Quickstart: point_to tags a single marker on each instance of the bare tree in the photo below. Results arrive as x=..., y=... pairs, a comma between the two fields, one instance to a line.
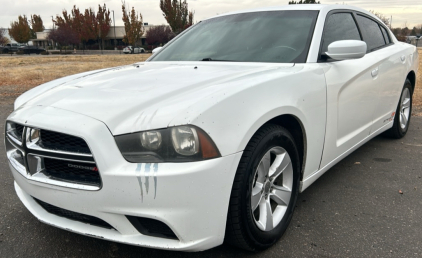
x=382, y=17
x=3, y=39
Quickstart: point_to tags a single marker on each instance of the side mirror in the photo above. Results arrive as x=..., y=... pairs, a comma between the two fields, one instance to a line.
x=347, y=49
x=156, y=50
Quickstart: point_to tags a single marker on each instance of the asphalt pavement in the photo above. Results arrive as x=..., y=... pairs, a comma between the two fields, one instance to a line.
x=368, y=205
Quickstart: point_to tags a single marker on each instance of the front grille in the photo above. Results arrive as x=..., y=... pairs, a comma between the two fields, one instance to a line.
x=73, y=215
x=75, y=172
x=59, y=156
x=62, y=142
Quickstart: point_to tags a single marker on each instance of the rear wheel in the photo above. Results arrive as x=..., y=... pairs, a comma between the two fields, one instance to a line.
x=264, y=191
x=403, y=113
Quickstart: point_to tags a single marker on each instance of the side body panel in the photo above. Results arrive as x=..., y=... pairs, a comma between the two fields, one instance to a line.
x=352, y=97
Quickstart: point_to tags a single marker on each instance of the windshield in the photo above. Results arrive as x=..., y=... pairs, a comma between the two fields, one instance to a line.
x=272, y=37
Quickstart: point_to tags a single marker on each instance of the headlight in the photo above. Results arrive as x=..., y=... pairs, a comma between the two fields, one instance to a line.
x=176, y=144
x=185, y=140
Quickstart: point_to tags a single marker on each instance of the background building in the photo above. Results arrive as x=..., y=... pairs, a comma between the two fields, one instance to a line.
x=115, y=34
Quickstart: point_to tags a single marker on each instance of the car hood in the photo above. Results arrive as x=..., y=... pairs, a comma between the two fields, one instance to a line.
x=146, y=95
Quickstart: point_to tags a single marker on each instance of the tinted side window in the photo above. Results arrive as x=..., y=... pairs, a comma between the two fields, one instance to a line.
x=372, y=34
x=386, y=37
x=339, y=26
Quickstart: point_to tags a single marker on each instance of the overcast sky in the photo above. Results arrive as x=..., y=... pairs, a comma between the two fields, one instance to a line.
x=403, y=11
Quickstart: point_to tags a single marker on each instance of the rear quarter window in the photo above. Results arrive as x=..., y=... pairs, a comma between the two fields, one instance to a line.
x=371, y=33
x=386, y=36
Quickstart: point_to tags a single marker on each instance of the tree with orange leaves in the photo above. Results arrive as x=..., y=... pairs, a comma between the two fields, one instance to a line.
x=177, y=14
x=37, y=23
x=134, y=26
x=20, y=30
x=104, y=23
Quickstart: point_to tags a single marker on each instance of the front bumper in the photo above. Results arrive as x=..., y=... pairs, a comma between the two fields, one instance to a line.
x=191, y=198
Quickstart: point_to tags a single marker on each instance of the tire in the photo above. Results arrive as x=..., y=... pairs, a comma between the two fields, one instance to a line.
x=6, y=51
x=245, y=228
x=404, y=110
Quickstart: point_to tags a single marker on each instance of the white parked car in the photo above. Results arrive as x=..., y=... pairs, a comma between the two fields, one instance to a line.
x=213, y=137
x=133, y=50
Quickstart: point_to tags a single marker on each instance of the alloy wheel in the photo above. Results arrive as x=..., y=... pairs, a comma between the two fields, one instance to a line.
x=404, y=108
x=272, y=188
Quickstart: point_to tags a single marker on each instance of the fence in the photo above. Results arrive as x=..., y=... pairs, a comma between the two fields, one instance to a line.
x=99, y=52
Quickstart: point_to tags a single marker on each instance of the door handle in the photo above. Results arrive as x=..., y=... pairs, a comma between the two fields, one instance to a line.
x=374, y=72
x=403, y=58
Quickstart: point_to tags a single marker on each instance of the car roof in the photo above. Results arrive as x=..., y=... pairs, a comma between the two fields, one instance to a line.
x=303, y=7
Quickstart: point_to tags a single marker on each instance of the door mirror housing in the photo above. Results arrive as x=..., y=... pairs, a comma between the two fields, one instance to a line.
x=347, y=49
x=156, y=50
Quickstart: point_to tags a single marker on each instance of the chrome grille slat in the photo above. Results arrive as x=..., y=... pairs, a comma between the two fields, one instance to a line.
x=71, y=165
x=15, y=132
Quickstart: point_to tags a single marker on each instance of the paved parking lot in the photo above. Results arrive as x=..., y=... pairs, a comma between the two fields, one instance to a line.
x=354, y=210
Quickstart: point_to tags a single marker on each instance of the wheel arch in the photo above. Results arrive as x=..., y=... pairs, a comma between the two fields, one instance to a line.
x=295, y=126
x=412, y=78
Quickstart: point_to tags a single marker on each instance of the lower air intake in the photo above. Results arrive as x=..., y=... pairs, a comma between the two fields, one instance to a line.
x=152, y=227
x=73, y=215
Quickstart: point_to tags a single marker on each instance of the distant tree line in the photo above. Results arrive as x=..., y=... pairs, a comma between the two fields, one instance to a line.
x=304, y=2
x=400, y=32
x=85, y=26
x=81, y=27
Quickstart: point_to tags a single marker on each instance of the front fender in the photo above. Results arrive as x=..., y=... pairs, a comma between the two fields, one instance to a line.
x=232, y=115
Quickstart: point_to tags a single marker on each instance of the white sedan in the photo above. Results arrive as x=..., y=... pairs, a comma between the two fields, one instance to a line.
x=133, y=50
x=213, y=138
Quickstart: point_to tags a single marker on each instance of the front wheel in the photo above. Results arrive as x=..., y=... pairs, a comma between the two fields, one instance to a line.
x=264, y=191
x=403, y=113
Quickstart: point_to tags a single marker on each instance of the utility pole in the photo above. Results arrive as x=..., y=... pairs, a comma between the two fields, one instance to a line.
x=391, y=22
x=52, y=42
x=114, y=27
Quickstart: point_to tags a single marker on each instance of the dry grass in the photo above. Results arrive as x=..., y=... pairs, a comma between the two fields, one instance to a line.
x=27, y=72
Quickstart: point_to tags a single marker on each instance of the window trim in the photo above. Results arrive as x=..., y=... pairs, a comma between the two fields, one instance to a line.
x=354, y=15
x=320, y=54
x=380, y=26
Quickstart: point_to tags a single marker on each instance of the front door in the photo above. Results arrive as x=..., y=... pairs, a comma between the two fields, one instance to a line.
x=352, y=92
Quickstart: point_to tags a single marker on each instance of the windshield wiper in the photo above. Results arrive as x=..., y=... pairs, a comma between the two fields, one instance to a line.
x=210, y=59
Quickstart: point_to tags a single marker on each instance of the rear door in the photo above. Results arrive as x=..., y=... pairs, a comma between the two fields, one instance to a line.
x=391, y=67
x=352, y=89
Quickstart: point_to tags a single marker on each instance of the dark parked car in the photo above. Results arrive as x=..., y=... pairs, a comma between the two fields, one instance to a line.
x=31, y=50
x=13, y=47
